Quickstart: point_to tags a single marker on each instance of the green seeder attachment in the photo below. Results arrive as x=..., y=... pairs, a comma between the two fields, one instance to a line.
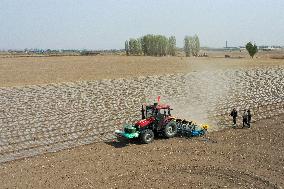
x=129, y=132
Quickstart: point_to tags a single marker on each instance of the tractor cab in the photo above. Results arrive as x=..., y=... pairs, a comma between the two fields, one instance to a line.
x=156, y=114
x=156, y=110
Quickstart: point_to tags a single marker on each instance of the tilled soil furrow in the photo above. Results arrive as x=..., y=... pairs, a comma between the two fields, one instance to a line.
x=38, y=114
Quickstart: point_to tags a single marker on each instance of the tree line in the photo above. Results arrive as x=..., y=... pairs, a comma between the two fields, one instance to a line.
x=159, y=45
x=191, y=45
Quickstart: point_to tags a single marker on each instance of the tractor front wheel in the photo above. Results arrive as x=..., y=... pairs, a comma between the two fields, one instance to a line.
x=147, y=136
x=170, y=129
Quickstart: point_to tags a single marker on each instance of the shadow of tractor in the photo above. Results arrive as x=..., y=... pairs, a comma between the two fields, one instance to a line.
x=122, y=142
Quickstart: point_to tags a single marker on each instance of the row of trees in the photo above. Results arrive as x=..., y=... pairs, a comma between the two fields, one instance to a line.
x=191, y=45
x=159, y=45
x=151, y=45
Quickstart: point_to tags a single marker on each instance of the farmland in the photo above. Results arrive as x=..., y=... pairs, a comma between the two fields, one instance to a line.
x=50, y=104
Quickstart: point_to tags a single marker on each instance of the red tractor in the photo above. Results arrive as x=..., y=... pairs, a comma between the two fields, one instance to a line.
x=156, y=119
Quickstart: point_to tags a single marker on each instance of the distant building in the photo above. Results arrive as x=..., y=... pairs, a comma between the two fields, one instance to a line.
x=269, y=48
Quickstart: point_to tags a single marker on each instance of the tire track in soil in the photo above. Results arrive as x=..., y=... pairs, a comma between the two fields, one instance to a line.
x=233, y=177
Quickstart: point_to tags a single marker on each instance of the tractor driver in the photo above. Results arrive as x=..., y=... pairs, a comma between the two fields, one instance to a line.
x=169, y=111
x=160, y=119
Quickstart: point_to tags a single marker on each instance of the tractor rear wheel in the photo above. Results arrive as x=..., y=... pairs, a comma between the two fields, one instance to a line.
x=147, y=136
x=170, y=129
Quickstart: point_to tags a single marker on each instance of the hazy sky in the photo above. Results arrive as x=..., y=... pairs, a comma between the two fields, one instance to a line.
x=105, y=24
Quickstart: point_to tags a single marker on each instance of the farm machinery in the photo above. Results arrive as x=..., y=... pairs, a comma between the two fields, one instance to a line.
x=157, y=120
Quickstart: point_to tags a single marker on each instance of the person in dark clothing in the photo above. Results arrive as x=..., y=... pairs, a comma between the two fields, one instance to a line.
x=234, y=114
x=248, y=118
x=245, y=118
x=143, y=112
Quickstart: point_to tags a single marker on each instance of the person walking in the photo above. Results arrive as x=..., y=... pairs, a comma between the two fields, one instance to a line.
x=249, y=118
x=245, y=118
x=234, y=114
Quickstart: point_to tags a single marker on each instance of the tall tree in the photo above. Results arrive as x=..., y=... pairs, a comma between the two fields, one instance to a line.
x=135, y=47
x=252, y=49
x=195, y=47
x=187, y=47
x=191, y=45
x=127, y=48
x=138, y=47
x=131, y=46
x=172, y=46
x=162, y=45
